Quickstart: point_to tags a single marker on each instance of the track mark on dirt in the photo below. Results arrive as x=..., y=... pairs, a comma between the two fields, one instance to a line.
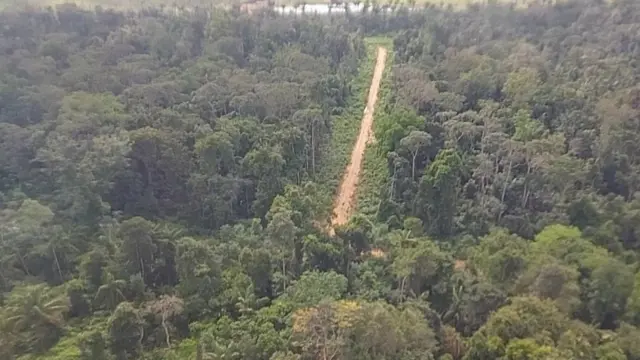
x=345, y=201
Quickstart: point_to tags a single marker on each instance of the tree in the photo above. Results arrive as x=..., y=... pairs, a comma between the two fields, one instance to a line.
x=110, y=293
x=282, y=233
x=351, y=330
x=529, y=349
x=626, y=340
x=126, y=331
x=501, y=257
x=606, y=307
x=60, y=249
x=247, y=338
x=93, y=347
x=36, y=312
x=414, y=142
x=552, y=281
x=216, y=153
x=167, y=306
x=264, y=165
x=518, y=330
x=25, y=234
x=314, y=124
x=199, y=276
x=93, y=267
x=382, y=331
x=420, y=267
x=171, y=169
x=633, y=302
x=438, y=193
x=314, y=287
x=84, y=152
x=155, y=184
x=562, y=242
x=323, y=330
x=138, y=247
x=394, y=127
x=521, y=86
x=472, y=300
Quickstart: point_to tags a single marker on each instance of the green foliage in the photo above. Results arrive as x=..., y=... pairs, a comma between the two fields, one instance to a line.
x=345, y=128
x=36, y=314
x=313, y=287
x=374, y=167
x=419, y=266
x=520, y=331
x=438, y=195
x=562, y=242
x=391, y=128
x=126, y=331
x=166, y=177
x=501, y=257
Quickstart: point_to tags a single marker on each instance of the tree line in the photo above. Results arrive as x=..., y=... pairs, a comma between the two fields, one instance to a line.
x=162, y=193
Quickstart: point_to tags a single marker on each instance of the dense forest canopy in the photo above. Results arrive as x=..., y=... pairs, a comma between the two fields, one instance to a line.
x=167, y=176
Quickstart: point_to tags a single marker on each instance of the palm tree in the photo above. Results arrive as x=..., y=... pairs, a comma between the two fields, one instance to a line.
x=36, y=305
x=111, y=293
x=209, y=348
x=38, y=312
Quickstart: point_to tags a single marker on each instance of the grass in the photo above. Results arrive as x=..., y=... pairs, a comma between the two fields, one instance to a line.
x=346, y=127
x=374, y=170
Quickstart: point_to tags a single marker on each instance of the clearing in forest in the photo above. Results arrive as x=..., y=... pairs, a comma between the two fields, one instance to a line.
x=345, y=200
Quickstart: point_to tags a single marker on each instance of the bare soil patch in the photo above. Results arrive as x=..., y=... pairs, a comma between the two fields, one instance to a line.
x=345, y=201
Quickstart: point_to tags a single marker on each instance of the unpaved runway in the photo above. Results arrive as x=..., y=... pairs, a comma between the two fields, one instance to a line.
x=345, y=200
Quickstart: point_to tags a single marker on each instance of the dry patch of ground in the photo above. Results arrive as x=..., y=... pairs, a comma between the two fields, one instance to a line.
x=345, y=200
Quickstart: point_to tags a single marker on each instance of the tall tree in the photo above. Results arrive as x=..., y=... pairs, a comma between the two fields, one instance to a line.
x=36, y=313
x=439, y=193
x=166, y=306
x=414, y=142
x=126, y=331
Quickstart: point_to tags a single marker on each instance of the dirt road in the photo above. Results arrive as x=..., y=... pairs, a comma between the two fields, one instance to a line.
x=345, y=201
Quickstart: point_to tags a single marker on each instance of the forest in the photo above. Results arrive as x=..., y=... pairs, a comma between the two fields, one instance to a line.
x=168, y=178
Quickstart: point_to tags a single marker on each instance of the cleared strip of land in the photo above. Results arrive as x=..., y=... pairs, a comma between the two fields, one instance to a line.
x=345, y=200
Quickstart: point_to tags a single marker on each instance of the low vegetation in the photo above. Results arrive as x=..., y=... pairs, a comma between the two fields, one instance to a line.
x=345, y=128
x=374, y=172
x=163, y=175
